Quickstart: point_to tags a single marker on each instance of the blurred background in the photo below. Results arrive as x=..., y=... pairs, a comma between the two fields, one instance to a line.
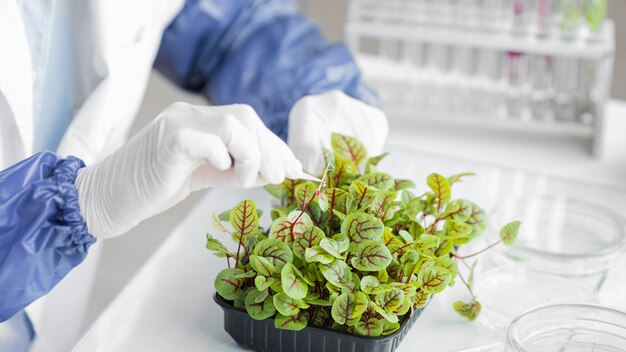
x=538, y=97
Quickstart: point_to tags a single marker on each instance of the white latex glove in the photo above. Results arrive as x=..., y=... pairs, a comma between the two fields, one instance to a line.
x=313, y=118
x=186, y=148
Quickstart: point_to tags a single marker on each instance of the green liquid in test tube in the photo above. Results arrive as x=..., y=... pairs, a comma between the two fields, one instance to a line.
x=595, y=13
x=570, y=17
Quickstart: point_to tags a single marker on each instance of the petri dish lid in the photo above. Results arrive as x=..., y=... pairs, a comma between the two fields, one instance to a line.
x=505, y=292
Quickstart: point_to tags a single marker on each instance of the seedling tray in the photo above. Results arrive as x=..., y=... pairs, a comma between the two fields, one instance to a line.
x=261, y=335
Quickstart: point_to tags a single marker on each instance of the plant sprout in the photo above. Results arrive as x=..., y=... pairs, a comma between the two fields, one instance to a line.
x=357, y=253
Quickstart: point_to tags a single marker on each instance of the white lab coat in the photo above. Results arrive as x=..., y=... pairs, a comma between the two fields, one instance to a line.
x=115, y=43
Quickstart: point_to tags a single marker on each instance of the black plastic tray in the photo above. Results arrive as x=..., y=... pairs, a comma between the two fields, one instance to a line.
x=261, y=335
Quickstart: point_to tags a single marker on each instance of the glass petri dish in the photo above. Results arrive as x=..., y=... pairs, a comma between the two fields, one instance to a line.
x=562, y=236
x=505, y=292
x=568, y=327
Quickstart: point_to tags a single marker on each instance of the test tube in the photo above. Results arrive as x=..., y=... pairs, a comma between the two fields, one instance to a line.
x=542, y=96
x=566, y=85
x=586, y=92
x=520, y=22
x=595, y=13
x=459, y=77
x=517, y=88
x=569, y=19
x=438, y=65
x=488, y=93
x=545, y=9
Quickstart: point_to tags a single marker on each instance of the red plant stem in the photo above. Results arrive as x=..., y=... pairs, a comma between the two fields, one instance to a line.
x=467, y=285
x=238, y=250
x=480, y=251
x=228, y=260
x=308, y=204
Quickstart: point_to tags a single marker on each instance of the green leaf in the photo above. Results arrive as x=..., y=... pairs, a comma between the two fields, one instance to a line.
x=261, y=265
x=244, y=218
x=371, y=255
x=278, y=212
x=363, y=194
x=427, y=241
x=390, y=317
x=259, y=310
x=322, y=201
x=467, y=310
x=286, y=305
x=369, y=327
x=331, y=247
x=329, y=158
x=390, y=300
x=399, y=185
x=348, y=308
x=348, y=148
x=275, y=191
x=293, y=284
x=379, y=180
x=314, y=298
x=394, y=244
x=215, y=246
x=360, y=226
x=371, y=285
x=240, y=299
x=459, y=210
x=380, y=204
x=458, y=177
x=262, y=283
x=441, y=187
x=246, y=275
x=421, y=299
x=310, y=238
x=508, y=233
x=371, y=163
x=305, y=192
x=227, y=284
x=477, y=219
x=276, y=251
x=406, y=236
x=455, y=229
x=338, y=199
x=343, y=242
x=434, y=279
x=217, y=224
x=317, y=254
x=294, y=322
x=290, y=227
x=389, y=328
x=337, y=273
x=444, y=249
x=224, y=216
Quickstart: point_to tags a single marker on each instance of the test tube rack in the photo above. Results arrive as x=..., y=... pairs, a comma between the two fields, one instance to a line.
x=478, y=65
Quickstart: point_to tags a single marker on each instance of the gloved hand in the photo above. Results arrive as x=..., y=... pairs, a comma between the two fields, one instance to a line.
x=186, y=148
x=313, y=118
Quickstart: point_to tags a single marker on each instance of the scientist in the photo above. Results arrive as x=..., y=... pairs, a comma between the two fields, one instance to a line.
x=72, y=77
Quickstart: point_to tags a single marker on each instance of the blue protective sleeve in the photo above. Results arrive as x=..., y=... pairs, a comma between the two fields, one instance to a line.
x=42, y=234
x=259, y=52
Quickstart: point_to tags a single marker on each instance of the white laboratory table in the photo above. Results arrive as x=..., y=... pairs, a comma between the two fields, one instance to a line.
x=168, y=306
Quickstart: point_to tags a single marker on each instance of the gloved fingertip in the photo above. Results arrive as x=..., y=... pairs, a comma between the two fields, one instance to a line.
x=222, y=163
x=294, y=171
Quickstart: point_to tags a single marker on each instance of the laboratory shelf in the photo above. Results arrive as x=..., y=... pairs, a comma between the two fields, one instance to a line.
x=168, y=305
x=463, y=120
x=538, y=68
x=500, y=41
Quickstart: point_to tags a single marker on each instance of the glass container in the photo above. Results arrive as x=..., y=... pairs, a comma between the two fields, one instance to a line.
x=507, y=291
x=568, y=327
x=562, y=236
